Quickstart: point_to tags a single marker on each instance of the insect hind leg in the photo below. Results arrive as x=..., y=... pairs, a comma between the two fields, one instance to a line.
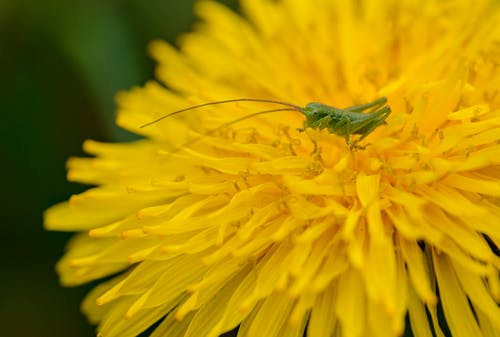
x=348, y=131
x=362, y=107
x=382, y=115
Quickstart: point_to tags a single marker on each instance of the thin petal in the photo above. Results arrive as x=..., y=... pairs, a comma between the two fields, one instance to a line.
x=457, y=310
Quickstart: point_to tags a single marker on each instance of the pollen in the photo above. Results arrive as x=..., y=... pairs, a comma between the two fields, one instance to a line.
x=226, y=218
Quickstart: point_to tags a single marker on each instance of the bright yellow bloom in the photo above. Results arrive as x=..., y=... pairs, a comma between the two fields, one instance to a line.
x=255, y=226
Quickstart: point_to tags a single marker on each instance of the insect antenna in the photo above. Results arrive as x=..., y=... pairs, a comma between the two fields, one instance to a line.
x=234, y=121
x=292, y=106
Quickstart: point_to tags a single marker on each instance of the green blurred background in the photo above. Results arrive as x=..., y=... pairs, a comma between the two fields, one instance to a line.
x=61, y=63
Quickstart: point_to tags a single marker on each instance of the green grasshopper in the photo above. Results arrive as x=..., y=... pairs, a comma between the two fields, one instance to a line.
x=355, y=120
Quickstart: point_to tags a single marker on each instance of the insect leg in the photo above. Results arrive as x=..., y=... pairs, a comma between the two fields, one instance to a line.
x=381, y=116
x=342, y=126
x=347, y=130
x=362, y=107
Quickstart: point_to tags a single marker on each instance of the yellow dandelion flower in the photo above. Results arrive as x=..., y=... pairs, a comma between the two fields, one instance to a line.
x=279, y=232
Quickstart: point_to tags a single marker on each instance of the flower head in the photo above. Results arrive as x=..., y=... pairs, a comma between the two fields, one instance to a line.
x=215, y=220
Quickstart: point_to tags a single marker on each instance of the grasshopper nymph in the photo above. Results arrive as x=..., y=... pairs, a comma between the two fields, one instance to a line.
x=355, y=120
x=348, y=121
